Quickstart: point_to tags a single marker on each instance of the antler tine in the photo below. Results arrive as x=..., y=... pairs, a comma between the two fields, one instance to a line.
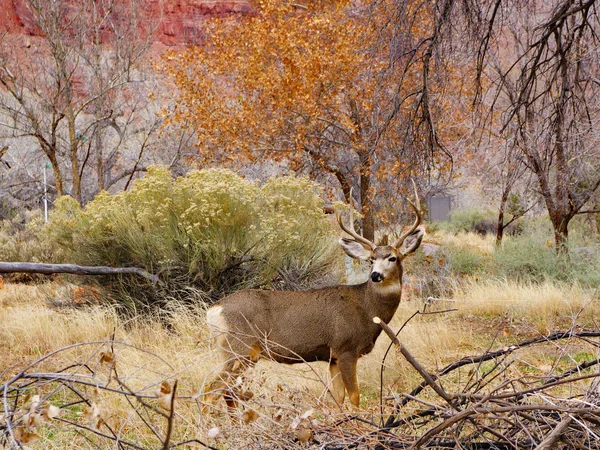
x=351, y=231
x=417, y=209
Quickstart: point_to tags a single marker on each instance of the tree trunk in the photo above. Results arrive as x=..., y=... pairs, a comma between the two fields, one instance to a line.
x=563, y=213
x=73, y=150
x=58, y=179
x=558, y=205
x=99, y=161
x=500, y=225
x=500, y=228
x=560, y=223
x=368, y=221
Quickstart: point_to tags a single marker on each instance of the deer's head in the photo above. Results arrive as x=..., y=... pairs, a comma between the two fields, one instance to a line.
x=386, y=260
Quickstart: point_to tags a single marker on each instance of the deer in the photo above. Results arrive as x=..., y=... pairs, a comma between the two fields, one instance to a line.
x=333, y=324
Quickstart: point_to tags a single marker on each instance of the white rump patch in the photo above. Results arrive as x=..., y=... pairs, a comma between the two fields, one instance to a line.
x=215, y=321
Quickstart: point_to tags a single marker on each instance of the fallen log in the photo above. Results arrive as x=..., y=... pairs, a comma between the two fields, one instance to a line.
x=49, y=269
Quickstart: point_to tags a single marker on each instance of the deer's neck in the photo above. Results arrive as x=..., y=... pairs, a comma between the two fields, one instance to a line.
x=382, y=299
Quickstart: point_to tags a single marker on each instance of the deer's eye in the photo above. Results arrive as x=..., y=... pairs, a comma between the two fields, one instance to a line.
x=392, y=259
x=371, y=260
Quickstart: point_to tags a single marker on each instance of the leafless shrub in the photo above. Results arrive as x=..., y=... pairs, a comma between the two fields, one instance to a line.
x=96, y=400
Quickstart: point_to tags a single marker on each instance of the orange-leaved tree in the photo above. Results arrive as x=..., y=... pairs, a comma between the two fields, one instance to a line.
x=313, y=86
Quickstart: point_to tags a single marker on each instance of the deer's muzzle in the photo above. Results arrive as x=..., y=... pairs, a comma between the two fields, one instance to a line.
x=376, y=277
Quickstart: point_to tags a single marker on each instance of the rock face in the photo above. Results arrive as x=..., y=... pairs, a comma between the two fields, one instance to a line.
x=177, y=22
x=182, y=19
x=9, y=17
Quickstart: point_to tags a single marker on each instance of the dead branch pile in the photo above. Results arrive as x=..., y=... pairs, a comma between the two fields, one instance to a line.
x=488, y=401
x=495, y=406
x=92, y=400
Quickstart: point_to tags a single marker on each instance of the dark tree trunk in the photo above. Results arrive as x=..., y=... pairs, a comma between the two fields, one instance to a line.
x=368, y=221
x=58, y=178
x=99, y=160
x=500, y=225
x=561, y=232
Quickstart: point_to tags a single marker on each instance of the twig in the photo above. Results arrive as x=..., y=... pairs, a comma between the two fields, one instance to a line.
x=550, y=440
x=382, y=368
x=77, y=425
x=192, y=441
x=171, y=417
x=411, y=359
x=387, y=351
x=577, y=369
x=442, y=426
x=140, y=399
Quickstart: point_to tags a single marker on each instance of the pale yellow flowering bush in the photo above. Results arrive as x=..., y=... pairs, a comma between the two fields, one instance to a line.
x=211, y=230
x=294, y=220
x=24, y=242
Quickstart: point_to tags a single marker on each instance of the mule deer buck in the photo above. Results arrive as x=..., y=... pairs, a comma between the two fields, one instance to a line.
x=333, y=324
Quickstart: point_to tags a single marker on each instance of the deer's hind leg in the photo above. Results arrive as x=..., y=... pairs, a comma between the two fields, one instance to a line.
x=225, y=382
x=221, y=382
x=237, y=351
x=338, y=390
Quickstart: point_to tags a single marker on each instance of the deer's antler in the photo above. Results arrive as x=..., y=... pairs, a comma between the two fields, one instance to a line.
x=417, y=209
x=350, y=231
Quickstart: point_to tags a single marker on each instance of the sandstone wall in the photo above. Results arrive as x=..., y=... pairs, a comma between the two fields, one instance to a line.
x=177, y=22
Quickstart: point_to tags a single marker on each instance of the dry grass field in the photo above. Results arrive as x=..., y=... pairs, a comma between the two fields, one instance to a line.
x=90, y=379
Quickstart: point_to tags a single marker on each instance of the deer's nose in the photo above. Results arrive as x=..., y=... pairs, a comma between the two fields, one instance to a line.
x=376, y=277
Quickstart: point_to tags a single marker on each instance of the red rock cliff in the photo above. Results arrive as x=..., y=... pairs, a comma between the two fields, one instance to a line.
x=177, y=21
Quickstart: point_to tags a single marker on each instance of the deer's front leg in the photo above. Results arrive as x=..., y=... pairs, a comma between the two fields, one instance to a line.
x=347, y=365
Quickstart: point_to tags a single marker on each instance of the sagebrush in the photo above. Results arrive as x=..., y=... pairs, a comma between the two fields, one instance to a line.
x=208, y=233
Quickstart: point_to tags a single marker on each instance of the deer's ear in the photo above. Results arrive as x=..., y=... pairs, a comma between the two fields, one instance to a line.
x=355, y=249
x=412, y=242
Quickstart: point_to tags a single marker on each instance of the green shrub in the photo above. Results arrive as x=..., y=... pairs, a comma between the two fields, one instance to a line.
x=465, y=260
x=210, y=232
x=528, y=259
x=469, y=220
x=583, y=231
x=430, y=276
x=531, y=258
x=298, y=227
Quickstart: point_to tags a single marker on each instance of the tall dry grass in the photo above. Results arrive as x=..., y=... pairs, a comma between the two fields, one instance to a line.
x=547, y=304
x=38, y=320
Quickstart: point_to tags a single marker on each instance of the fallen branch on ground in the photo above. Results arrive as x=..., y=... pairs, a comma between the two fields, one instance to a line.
x=49, y=269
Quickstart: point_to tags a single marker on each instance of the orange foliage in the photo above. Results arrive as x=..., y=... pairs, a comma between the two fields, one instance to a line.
x=263, y=82
x=314, y=82
x=87, y=294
